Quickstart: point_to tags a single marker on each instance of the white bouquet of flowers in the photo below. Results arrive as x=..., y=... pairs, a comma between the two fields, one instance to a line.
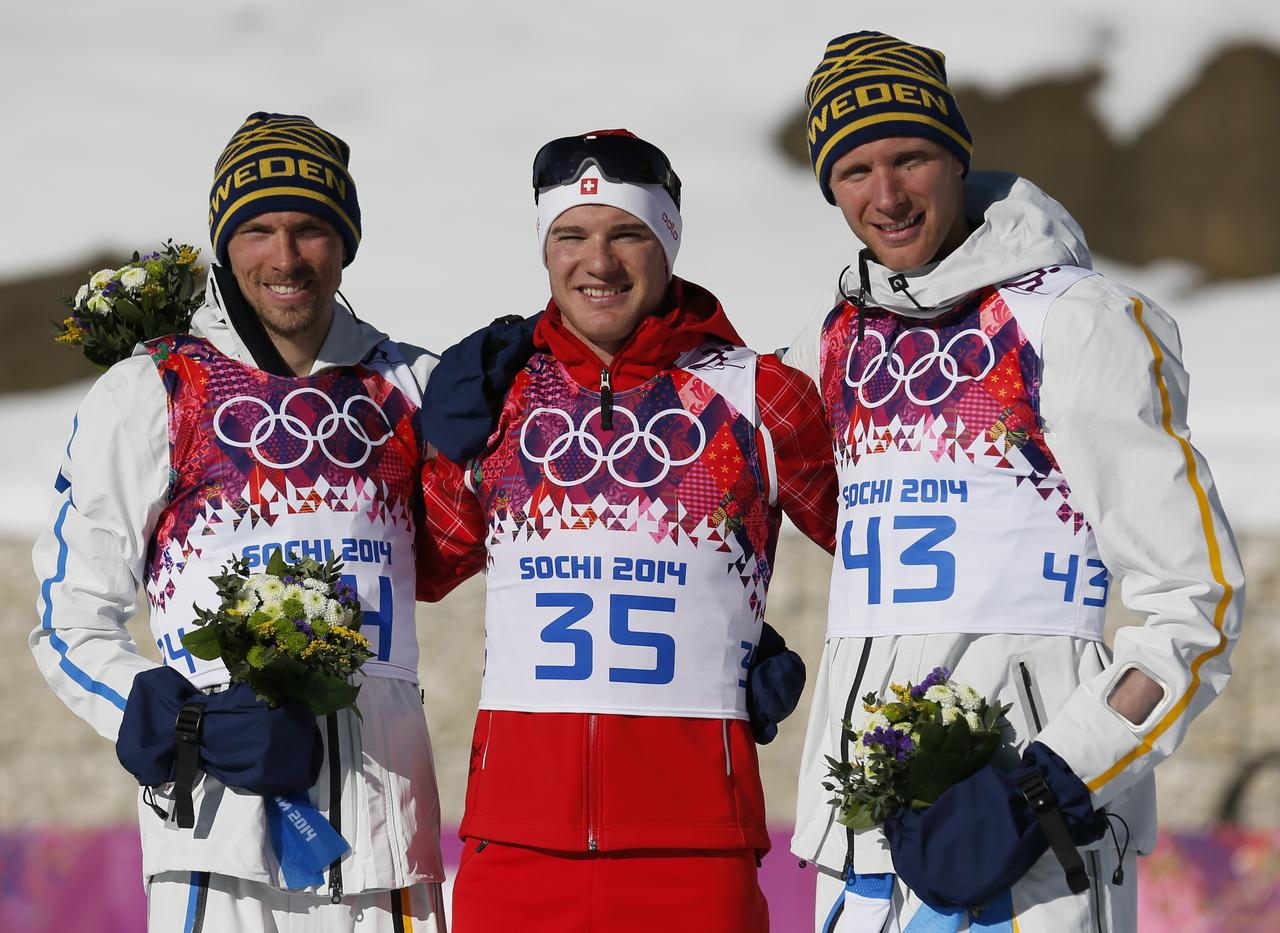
x=151, y=296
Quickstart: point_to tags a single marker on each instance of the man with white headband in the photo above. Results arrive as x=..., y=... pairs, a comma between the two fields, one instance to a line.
x=627, y=509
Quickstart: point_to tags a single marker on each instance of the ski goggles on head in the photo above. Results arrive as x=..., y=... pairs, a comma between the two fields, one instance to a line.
x=623, y=159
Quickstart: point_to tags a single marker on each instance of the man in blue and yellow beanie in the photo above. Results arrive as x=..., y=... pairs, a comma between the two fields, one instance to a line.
x=281, y=162
x=870, y=86
x=280, y=427
x=868, y=91
x=284, y=221
x=1002, y=418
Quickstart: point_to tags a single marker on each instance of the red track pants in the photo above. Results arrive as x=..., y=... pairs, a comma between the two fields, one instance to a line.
x=502, y=888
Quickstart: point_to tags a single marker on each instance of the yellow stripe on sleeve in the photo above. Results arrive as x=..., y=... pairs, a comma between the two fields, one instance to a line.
x=1215, y=563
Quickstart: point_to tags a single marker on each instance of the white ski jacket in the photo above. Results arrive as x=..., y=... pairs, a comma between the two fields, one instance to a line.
x=90, y=561
x=1112, y=407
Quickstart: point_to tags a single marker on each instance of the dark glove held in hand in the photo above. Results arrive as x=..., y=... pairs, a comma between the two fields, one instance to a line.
x=463, y=398
x=981, y=835
x=775, y=680
x=245, y=744
x=266, y=751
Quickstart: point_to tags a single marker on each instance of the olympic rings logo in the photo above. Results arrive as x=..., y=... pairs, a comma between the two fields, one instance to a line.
x=298, y=429
x=937, y=359
x=622, y=444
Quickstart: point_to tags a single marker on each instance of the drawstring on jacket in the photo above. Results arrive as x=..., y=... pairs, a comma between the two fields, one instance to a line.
x=864, y=288
x=897, y=281
x=899, y=285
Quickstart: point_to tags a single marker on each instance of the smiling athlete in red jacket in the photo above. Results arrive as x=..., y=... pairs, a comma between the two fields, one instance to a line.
x=627, y=510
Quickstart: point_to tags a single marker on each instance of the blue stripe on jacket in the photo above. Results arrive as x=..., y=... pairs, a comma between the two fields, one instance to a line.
x=77, y=674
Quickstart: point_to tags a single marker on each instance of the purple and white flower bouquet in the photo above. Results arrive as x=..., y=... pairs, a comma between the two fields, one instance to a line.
x=912, y=747
x=152, y=295
x=291, y=633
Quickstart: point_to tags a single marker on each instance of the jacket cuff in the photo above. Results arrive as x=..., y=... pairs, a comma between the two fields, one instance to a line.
x=1097, y=743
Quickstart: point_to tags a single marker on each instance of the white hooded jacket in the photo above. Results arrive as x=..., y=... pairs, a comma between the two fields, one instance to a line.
x=1113, y=400
x=113, y=485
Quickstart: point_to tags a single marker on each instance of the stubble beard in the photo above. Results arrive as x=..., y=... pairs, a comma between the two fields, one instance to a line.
x=289, y=324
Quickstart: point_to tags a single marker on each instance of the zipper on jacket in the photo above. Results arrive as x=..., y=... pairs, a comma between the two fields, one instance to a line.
x=864, y=295
x=335, y=803
x=606, y=400
x=1031, y=699
x=1095, y=892
x=844, y=740
x=592, y=842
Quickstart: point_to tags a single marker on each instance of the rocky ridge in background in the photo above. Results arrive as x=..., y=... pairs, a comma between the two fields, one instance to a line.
x=1197, y=185
x=29, y=307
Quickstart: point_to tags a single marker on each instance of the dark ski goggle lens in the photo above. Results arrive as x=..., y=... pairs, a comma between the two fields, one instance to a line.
x=621, y=159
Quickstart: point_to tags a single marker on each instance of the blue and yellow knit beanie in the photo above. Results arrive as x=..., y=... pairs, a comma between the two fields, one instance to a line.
x=282, y=162
x=870, y=86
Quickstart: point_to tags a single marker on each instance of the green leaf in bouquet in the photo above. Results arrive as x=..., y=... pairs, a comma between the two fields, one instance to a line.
x=992, y=716
x=291, y=672
x=929, y=774
x=154, y=322
x=324, y=693
x=331, y=571
x=126, y=310
x=959, y=738
x=203, y=643
x=985, y=746
x=100, y=356
x=857, y=817
x=307, y=567
x=895, y=712
x=932, y=736
x=280, y=679
x=838, y=768
x=277, y=566
x=267, y=695
x=229, y=583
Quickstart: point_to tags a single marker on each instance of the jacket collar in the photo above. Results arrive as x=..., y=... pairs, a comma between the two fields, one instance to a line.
x=348, y=342
x=1017, y=228
x=690, y=315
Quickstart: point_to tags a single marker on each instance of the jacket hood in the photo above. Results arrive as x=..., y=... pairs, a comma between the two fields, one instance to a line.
x=690, y=315
x=348, y=342
x=1019, y=229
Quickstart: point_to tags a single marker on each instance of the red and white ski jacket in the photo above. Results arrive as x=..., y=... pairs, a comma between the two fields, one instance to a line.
x=628, y=565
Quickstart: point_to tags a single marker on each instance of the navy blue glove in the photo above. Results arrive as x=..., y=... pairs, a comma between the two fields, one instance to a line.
x=775, y=680
x=981, y=835
x=463, y=398
x=244, y=743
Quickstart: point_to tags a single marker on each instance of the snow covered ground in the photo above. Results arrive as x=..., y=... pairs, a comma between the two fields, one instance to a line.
x=115, y=113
